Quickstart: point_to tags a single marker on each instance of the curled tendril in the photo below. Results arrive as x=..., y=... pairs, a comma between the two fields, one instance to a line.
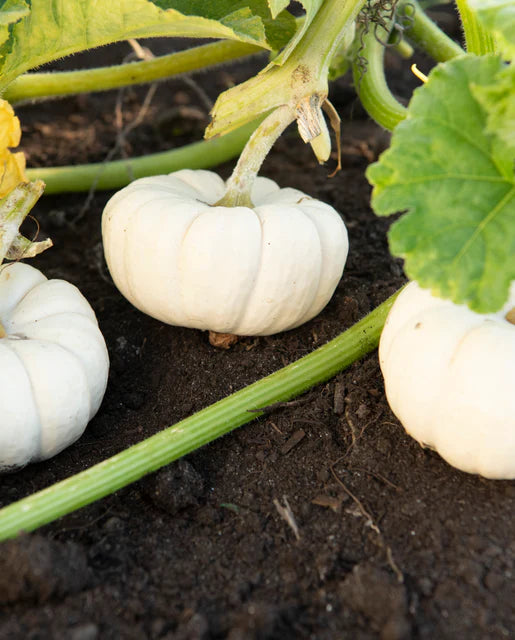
x=383, y=15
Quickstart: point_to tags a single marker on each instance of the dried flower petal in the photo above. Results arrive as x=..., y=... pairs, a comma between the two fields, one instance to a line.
x=12, y=165
x=12, y=171
x=10, y=131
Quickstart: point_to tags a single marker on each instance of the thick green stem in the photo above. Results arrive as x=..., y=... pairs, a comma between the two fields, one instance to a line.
x=404, y=49
x=193, y=432
x=325, y=34
x=33, y=86
x=292, y=91
x=477, y=39
x=239, y=186
x=370, y=83
x=426, y=34
x=118, y=173
x=14, y=208
x=368, y=69
x=304, y=73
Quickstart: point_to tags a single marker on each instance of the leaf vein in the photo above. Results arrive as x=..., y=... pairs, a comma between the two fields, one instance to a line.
x=457, y=176
x=481, y=226
x=462, y=134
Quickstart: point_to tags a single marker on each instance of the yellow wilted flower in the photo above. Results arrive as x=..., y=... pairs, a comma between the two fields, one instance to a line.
x=12, y=165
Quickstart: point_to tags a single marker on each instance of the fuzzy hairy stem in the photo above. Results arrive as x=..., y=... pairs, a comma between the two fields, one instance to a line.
x=239, y=185
x=34, y=86
x=477, y=39
x=426, y=34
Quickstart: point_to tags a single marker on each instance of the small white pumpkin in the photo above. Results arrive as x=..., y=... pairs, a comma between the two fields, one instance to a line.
x=450, y=379
x=53, y=365
x=239, y=270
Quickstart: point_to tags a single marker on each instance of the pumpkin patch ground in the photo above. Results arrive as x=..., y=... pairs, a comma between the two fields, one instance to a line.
x=320, y=520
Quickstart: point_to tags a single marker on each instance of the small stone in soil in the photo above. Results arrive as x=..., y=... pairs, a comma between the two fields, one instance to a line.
x=380, y=598
x=175, y=487
x=36, y=569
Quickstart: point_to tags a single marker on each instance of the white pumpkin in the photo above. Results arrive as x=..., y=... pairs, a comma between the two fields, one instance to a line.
x=239, y=270
x=53, y=365
x=450, y=379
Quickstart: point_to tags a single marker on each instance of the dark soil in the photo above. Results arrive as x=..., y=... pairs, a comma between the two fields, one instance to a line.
x=392, y=542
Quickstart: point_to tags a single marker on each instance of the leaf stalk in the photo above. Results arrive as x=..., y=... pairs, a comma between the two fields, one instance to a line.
x=371, y=85
x=239, y=185
x=477, y=39
x=426, y=34
x=37, y=86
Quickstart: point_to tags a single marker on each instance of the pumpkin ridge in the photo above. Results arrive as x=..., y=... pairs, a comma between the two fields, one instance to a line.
x=36, y=413
x=13, y=265
x=129, y=217
x=188, y=178
x=21, y=325
x=308, y=314
x=180, y=269
x=87, y=311
x=54, y=441
x=251, y=290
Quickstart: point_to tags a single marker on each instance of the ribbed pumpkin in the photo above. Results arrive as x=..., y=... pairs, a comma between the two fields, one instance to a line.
x=450, y=379
x=178, y=257
x=53, y=365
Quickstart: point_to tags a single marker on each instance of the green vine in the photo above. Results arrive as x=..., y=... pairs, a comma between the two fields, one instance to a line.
x=118, y=173
x=197, y=430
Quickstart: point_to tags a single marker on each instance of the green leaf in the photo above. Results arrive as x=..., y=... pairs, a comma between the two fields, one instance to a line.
x=457, y=183
x=278, y=27
x=276, y=6
x=498, y=100
x=54, y=29
x=498, y=16
x=10, y=12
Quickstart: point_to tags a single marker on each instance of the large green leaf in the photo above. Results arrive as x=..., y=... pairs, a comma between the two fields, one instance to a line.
x=457, y=183
x=498, y=100
x=276, y=6
x=498, y=16
x=10, y=12
x=55, y=28
x=279, y=26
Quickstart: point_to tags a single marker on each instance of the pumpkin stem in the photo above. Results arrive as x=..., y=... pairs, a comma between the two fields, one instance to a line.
x=239, y=185
x=222, y=340
x=2, y=331
x=510, y=316
x=14, y=208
